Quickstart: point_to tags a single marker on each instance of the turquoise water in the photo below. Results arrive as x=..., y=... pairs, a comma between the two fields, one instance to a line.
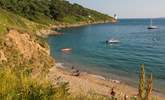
x=137, y=46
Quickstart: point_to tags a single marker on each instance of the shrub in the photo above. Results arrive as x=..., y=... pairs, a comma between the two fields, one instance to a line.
x=14, y=86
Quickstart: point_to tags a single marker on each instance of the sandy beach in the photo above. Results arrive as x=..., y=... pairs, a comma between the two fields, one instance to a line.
x=86, y=83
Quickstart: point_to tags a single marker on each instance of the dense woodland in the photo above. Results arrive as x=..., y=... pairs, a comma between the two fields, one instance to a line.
x=58, y=10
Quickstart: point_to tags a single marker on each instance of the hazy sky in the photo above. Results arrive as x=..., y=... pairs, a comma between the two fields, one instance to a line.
x=127, y=8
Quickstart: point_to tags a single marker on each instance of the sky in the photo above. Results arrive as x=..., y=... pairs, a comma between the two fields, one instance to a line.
x=126, y=8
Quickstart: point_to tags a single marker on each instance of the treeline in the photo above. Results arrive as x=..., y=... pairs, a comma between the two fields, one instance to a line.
x=58, y=10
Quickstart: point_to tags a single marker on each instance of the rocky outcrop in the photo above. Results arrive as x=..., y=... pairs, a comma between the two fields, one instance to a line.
x=52, y=30
x=45, y=33
x=25, y=51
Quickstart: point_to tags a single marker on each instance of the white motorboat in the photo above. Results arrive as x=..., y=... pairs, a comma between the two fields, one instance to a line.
x=112, y=41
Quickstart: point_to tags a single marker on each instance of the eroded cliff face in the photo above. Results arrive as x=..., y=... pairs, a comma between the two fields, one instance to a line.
x=22, y=50
x=27, y=46
x=2, y=56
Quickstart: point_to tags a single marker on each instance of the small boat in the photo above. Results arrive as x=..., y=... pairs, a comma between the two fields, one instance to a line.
x=66, y=49
x=152, y=26
x=112, y=41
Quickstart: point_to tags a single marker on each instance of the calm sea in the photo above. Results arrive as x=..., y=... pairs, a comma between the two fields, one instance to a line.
x=122, y=61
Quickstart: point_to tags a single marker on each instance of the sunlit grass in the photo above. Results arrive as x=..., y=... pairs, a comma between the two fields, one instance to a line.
x=18, y=86
x=10, y=20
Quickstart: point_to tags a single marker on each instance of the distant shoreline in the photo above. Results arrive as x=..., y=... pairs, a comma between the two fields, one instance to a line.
x=61, y=26
x=53, y=29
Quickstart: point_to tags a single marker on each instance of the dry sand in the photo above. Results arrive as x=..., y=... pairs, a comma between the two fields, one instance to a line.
x=86, y=83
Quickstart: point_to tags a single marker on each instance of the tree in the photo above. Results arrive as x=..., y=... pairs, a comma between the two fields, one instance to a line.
x=37, y=10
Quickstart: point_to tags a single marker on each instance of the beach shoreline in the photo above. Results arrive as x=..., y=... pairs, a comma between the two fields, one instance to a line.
x=88, y=82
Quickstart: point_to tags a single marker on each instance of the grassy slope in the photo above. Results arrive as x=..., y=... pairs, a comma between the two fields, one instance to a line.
x=17, y=70
x=10, y=20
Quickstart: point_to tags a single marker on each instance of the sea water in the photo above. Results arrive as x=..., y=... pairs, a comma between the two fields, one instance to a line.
x=137, y=46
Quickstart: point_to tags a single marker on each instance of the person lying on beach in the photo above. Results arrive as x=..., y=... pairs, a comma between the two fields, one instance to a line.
x=75, y=72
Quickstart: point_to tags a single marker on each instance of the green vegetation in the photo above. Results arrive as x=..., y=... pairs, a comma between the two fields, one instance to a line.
x=48, y=11
x=149, y=88
x=19, y=86
x=9, y=20
x=142, y=82
x=145, y=88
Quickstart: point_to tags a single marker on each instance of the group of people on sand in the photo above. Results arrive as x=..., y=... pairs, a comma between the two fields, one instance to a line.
x=112, y=93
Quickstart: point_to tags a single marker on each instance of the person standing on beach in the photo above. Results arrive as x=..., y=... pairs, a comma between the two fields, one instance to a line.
x=113, y=94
